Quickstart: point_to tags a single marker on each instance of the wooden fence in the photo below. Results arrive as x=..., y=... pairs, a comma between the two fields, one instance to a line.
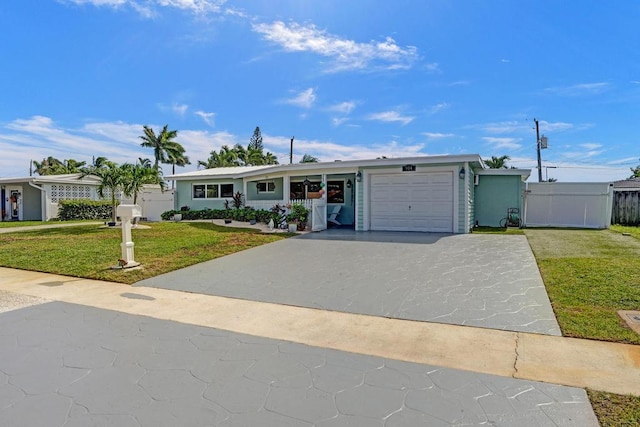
x=626, y=208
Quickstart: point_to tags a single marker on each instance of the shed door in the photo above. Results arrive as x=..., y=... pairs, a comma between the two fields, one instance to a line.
x=412, y=202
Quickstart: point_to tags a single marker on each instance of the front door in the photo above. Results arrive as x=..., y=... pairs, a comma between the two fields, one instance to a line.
x=15, y=204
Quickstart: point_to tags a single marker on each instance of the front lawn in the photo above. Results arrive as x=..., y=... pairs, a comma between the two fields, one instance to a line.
x=89, y=251
x=589, y=276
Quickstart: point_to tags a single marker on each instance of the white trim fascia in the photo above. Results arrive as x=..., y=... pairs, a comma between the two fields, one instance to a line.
x=524, y=173
x=325, y=167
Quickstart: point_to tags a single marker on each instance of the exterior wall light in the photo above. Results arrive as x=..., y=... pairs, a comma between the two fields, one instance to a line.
x=461, y=173
x=359, y=176
x=306, y=182
x=349, y=183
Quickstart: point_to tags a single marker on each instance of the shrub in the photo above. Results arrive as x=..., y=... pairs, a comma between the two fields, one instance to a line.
x=84, y=209
x=243, y=214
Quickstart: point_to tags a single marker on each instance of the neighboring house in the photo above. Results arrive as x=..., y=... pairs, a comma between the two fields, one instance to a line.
x=430, y=193
x=36, y=198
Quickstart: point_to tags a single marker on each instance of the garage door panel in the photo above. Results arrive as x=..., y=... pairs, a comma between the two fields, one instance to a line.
x=412, y=202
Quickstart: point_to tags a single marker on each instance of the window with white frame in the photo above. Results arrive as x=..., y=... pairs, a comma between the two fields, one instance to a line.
x=211, y=191
x=266, y=187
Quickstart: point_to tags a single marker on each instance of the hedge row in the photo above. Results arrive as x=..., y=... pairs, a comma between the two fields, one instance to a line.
x=241, y=214
x=83, y=209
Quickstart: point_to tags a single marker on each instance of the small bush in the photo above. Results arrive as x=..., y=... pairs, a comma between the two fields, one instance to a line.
x=84, y=209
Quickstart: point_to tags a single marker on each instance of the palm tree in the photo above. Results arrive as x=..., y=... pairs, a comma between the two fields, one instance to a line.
x=72, y=166
x=163, y=144
x=47, y=166
x=270, y=159
x=227, y=157
x=497, y=162
x=308, y=158
x=136, y=176
x=112, y=178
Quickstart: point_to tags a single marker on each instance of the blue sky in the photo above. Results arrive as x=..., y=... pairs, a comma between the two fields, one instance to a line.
x=349, y=79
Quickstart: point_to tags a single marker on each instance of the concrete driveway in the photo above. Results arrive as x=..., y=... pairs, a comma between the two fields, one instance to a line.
x=479, y=280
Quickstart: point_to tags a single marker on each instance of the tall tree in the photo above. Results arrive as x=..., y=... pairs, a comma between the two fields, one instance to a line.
x=635, y=172
x=308, y=158
x=47, y=166
x=112, y=181
x=255, y=142
x=227, y=157
x=136, y=176
x=163, y=144
x=497, y=162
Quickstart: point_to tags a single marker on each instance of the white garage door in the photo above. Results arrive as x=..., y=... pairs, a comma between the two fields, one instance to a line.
x=412, y=202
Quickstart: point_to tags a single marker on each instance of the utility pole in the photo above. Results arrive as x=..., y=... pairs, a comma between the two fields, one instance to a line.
x=291, y=151
x=538, y=147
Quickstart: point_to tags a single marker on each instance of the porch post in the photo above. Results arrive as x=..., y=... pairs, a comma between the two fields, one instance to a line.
x=286, y=188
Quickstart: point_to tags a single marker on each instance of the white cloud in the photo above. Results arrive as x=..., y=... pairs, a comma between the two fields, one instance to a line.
x=38, y=137
x=343, y=107
x=337, y=121
x=579, y=89
x=390, y=116
x=180, y=109
x=439, y=107
x=591, y=146
x=524, y=127
x=437, y=135
x=500, y=143
x=208, y=118
x=304, y=99
x=346, y=54
x=148, y=8
x=433, y=67
x=327, y=151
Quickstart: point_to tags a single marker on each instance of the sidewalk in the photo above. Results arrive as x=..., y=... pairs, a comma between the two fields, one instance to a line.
x=40, y=227
x=581, y=363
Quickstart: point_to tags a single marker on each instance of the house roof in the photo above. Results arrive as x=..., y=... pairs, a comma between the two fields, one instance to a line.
x=524, y=173
x=627, y=183
x=249, y=171
x=73, y=178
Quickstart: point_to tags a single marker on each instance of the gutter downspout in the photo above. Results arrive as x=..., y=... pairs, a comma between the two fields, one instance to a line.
x=43, y=200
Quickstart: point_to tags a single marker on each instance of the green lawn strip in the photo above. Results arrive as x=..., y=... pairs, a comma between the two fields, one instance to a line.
x=90, y=251
x=633, y=231
x=589, y=275
x=614, y=410
x=497, y=230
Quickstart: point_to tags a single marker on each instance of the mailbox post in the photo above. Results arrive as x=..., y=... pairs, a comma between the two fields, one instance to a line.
x=126, y=214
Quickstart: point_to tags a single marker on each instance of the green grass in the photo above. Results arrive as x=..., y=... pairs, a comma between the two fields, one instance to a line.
x=89, y=251
x=590, y=275
x=498, y=230
x=614, y=410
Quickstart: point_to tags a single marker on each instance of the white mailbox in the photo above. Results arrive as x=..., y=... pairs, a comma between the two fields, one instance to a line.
x=126, y=214
x=129, y=211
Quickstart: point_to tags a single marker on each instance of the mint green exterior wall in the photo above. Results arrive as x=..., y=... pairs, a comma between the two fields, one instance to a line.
x=184, y=192
x=494, y=195
x=252, y=191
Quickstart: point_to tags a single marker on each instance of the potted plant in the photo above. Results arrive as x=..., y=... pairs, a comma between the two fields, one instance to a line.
x=298, y=215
